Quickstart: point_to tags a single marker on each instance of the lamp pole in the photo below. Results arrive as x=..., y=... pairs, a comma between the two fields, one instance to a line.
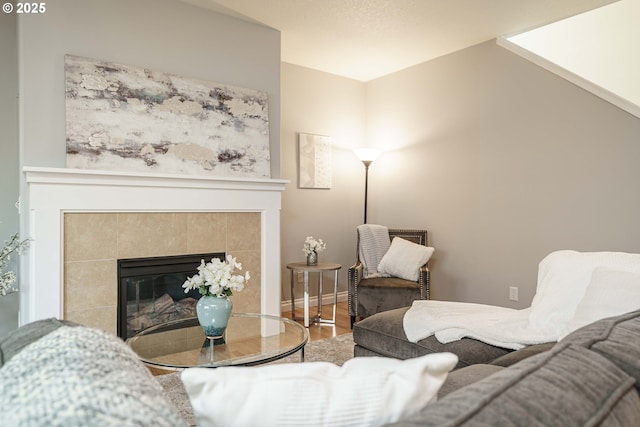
x=366, y=186
x=366, y=156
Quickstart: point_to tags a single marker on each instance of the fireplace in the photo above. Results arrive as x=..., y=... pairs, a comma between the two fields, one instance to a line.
x=171, y=214
x=150, y=290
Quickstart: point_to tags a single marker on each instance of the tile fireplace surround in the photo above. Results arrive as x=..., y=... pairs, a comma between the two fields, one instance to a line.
x=82, y=221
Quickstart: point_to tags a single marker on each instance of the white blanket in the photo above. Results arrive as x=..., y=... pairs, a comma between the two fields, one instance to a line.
x=374, y=243
x=451, y=321
x=563, y=277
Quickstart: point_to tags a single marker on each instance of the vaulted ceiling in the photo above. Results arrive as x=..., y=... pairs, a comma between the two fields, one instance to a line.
x=366, y=39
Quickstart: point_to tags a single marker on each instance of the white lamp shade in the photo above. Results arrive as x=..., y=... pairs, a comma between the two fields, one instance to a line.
x=367, y=154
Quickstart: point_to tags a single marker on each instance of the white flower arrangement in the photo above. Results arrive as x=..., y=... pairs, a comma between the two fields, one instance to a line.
x=312, y=245
x=216, y=278
x=8, y=278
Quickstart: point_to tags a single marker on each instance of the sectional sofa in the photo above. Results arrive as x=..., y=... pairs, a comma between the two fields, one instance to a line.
x=55, y=373
x=58, y=373
x=590, y=377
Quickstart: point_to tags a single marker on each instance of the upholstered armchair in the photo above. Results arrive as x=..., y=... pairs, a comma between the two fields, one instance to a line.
x=367, y=296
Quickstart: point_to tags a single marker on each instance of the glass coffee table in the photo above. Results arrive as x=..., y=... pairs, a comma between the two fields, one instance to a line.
x=250, y=339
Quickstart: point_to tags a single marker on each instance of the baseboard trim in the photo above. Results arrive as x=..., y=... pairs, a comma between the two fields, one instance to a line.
x=313, y=301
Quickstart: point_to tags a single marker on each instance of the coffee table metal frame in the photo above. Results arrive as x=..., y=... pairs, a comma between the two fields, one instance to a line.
x=191, y=326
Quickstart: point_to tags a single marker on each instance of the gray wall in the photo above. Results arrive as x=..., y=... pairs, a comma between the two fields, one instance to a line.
x=323, y=104
x=8, y=153
x=163, y=35
x=503, y=162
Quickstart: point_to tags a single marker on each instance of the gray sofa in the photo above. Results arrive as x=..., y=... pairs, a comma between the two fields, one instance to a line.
x=57, y=373
x=590, y=377
x=54, y=373
x=383, y=335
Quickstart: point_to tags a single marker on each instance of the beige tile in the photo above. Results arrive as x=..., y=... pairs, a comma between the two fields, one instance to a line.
x=90, y=284
x=90, y=274
x=102, y=318
x=248, y=300
x=89, y=236
x=151, y=234
x=97, y=240
x=206, y=232
x=243, y=231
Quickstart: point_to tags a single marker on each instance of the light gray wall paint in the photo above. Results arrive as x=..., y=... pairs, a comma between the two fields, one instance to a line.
x=162, y=35
x=504, y=163
x=8, y=153
x=319, y=103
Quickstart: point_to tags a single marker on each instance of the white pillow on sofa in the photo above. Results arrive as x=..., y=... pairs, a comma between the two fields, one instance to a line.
x=365, y=391
x=404, y=259
x=563, y=277
x=610, y=293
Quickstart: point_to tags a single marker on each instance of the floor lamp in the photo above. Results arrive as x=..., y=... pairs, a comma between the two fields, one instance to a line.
x=367, y=156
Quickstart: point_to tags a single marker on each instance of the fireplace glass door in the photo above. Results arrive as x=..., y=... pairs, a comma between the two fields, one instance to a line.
x=150, y=290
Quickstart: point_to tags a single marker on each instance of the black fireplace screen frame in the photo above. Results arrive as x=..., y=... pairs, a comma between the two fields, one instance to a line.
x=129, y=268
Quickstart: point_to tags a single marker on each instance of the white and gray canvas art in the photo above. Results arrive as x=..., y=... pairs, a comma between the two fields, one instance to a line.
x=314, y=161
x=125, y=118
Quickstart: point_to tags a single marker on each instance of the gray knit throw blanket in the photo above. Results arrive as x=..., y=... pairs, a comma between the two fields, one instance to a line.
x=78, y=376
x=373, y=243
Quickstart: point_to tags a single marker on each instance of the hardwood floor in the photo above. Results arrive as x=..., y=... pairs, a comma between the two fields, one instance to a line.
x=324, y=330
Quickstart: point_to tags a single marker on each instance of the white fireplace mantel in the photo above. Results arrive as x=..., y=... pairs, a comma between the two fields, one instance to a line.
x=53, y=191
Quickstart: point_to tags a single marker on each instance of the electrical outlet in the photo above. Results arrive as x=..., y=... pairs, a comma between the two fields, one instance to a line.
x=513, y=293
x=300, y=277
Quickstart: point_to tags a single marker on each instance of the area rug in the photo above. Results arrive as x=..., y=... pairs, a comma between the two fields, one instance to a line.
x=335, y=350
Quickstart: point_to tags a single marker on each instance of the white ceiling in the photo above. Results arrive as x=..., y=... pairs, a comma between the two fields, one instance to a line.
x=366, y=39
x=600, y=47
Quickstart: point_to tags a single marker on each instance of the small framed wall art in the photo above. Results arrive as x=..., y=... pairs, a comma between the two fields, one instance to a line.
x=314, y=161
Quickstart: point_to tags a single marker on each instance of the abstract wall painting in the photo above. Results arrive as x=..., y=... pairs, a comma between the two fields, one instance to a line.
x=123, y=118
x=314, y=161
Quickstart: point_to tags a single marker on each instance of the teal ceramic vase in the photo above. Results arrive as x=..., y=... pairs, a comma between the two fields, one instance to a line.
x=213, y=315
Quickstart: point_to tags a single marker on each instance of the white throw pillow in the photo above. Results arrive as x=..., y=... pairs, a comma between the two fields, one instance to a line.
x=365, y=391
x=404, y=259
x=610, y=293
x=563, y=278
